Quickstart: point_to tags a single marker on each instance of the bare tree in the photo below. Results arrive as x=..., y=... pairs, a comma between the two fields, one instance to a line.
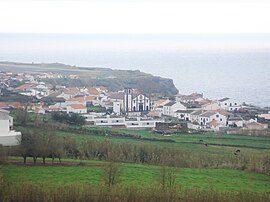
x=111, y=175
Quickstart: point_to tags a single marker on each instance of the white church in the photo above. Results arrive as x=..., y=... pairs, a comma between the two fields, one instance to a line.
x=8, y=137
x=135, y=103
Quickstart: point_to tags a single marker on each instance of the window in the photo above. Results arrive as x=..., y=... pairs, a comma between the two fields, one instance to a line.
x=117, y=121
x=225, y=103
x=217, y=115
x=235, y=103
x=147, y=123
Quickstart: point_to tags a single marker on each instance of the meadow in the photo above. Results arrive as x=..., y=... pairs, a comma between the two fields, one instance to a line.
x=205, y=167
x=90, y=173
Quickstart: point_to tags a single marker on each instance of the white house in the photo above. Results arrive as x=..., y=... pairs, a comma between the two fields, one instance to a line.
x=229, y=104
x=209, y=116
x=8, y=137
x=171, y=107
x=195, y=115
x=236, y=122
x=76, y=108
x=183, y=114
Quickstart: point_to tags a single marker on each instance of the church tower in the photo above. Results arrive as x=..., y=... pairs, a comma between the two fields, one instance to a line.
x=127, y=99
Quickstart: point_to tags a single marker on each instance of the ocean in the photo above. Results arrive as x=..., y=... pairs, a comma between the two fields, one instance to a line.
x=243, y=75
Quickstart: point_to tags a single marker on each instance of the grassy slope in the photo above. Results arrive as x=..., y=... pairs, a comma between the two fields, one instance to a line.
x=142, y=175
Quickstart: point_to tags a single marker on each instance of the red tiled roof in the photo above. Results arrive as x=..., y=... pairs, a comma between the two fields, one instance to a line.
x=82, y=99
x=26, y=86
x=214, y=123
x=72, y=91
x=10, y=104
x=77, y=106
x=93, y=91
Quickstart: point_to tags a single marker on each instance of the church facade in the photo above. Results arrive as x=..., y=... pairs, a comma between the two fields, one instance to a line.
x=135, y=102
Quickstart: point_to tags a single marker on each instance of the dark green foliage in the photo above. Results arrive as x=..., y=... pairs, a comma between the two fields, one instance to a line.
x=22, y=116
x=72, y=118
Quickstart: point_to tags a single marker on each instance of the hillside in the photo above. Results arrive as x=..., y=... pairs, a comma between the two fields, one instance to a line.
x=95, y=76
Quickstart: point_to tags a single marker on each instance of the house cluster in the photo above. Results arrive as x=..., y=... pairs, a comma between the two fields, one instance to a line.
x=205, y=114
x=129, y=107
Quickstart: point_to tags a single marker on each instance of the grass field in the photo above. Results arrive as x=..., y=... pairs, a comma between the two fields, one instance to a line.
x=217, y=144
x=138, y=175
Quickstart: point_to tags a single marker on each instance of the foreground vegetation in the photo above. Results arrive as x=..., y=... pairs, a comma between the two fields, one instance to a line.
x=104, y=181
x=104, y=164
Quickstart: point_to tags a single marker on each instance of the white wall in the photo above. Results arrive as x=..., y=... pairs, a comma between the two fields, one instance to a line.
x=11, y=139
x=4, y=126
x=78, y=111
x=117, y=107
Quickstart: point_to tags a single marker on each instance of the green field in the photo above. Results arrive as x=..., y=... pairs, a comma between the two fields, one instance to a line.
x=218, y=144
x=136, y=174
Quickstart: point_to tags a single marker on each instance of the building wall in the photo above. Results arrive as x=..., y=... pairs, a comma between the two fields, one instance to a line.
x=169, y=110
x=11, y=139
x=78, y=111
x=212, y=106
x=4, y=126
x=141, y=103
x=230, y=105
x=117, y=107
x=218, y=117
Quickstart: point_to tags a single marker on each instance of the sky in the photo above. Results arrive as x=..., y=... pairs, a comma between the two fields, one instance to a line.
x=135, y=17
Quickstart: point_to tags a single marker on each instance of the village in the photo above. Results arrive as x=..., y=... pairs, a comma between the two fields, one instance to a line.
x=126, y=108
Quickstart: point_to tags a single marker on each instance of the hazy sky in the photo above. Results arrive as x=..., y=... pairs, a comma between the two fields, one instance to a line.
x=130, y=16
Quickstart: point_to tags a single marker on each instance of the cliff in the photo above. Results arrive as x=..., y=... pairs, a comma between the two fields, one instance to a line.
x=97, y=76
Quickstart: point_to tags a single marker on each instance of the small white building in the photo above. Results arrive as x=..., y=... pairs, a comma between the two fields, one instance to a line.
x=209, y=116
x=236, y=122
x=117, y=107
x=76, y=108
x=229, y=104
x=8, y=137
x=171, y=107
x=183, y=114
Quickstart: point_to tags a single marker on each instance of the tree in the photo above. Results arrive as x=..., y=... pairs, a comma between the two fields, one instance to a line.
x=111, y=174
x=22, y=116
